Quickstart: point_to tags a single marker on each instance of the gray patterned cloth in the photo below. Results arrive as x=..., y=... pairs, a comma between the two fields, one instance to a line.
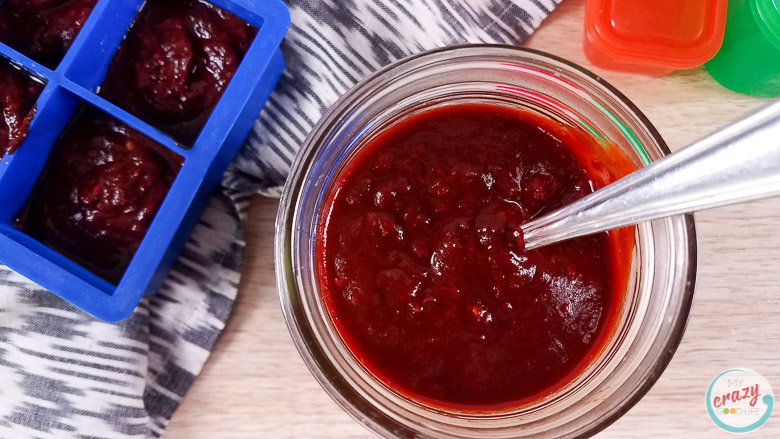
x=64, y=374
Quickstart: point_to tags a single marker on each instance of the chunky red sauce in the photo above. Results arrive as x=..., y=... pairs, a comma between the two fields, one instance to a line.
x=175, y=63
x=43, y=29
x=99, y=193
x=18, y=93
x=423, y=266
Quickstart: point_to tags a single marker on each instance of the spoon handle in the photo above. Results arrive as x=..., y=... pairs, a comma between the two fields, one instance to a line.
x=738, y=163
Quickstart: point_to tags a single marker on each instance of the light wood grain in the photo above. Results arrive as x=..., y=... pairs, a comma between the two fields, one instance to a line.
x=256, y=386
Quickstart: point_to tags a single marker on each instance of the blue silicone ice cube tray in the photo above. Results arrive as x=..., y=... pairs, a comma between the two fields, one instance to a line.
x=72, y=85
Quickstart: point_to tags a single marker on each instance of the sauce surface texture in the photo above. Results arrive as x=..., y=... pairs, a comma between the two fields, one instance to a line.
x=423, y=268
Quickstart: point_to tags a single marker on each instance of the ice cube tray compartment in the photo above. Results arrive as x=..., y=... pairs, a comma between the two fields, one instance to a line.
x=74, y=84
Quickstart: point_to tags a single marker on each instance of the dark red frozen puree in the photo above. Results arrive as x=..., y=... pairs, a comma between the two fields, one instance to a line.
x=175, y=63
x=18, y=93
x=102, y=187
x=423, y=264
x=43, y=29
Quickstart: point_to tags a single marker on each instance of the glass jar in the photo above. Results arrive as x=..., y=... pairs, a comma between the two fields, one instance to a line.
x=659, y=293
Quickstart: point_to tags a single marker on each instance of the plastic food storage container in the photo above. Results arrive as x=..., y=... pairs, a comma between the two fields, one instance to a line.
x=749, y=61
x=653, y=37
x=72, y=85
x=657, y=300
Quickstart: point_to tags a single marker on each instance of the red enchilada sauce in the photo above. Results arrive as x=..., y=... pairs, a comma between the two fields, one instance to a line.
x=18, y=93
x=423, y=266
x=175, y=63
x=43, y=29
x=99, y=194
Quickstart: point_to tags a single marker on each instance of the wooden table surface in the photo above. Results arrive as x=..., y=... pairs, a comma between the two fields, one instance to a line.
x=256, y=386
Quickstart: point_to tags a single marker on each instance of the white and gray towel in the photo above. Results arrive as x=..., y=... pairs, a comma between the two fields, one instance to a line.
x=64, y=374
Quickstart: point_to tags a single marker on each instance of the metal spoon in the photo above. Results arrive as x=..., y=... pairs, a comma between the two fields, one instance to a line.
x=739, y=163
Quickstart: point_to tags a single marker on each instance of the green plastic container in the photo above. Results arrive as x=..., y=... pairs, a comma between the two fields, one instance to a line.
x=749, y=60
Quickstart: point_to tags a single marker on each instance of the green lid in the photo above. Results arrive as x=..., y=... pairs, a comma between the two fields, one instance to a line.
x=767, y=14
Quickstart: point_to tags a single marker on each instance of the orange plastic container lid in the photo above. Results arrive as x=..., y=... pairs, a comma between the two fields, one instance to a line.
x=654, y=37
